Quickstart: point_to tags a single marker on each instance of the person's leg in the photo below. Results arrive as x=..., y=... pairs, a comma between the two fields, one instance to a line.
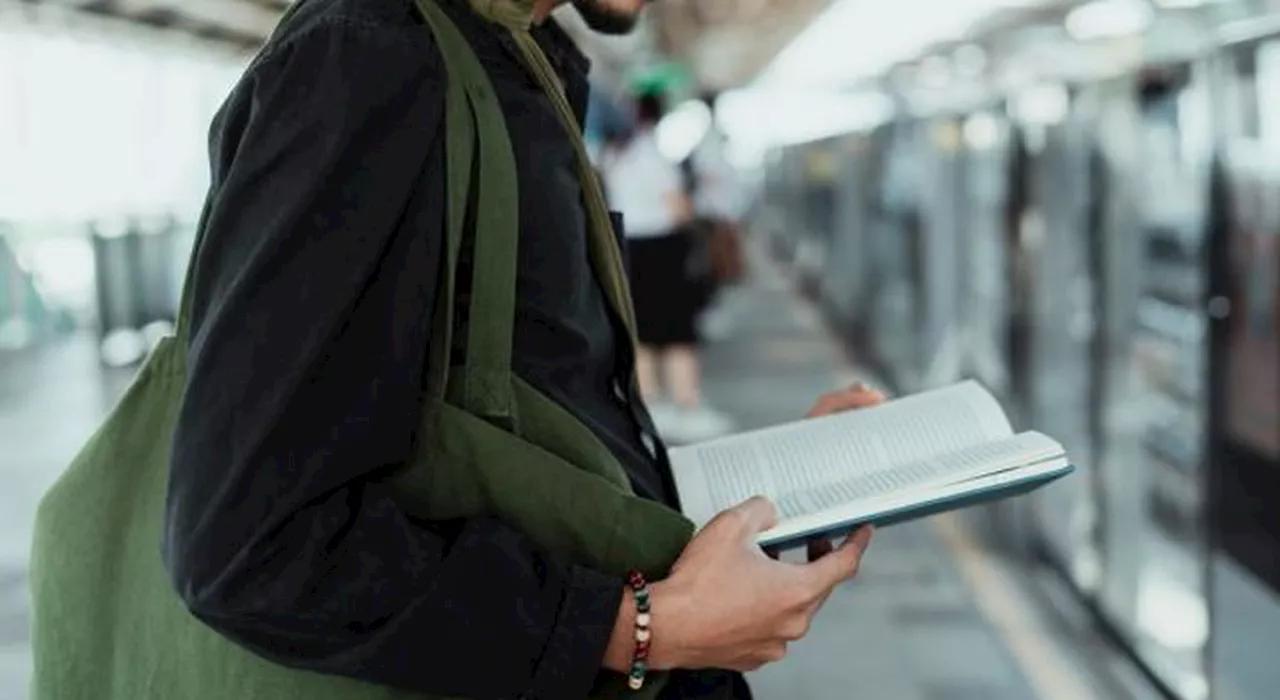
x=644, y=276
x=657, y=397
x=647, y=374
x=683, y=375
x=696, y=420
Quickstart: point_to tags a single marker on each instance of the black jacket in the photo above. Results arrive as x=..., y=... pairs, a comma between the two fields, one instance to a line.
x=321, y=237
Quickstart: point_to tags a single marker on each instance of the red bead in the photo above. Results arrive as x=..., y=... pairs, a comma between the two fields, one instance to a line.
x=636, y=579
x=642, y=647
x=642, y=654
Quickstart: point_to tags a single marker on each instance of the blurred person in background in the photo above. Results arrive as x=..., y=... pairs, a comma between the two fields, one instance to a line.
x=718, y=203
x=649, y=191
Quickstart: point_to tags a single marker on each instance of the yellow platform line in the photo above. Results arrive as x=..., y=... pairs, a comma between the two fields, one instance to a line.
x=1005, y=608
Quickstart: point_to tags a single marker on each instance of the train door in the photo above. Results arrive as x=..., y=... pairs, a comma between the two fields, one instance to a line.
x=816, y=214
x=785, y=190
x=845, y=267
x=1154, y=401
x=1244, y=439
x=984, y=283
x=1060, y=285
x=1121, y=477
x=990, y=184
x=940, y=253
x=894, y=246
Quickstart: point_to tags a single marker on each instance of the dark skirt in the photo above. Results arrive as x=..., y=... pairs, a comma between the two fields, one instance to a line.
x=667, y=300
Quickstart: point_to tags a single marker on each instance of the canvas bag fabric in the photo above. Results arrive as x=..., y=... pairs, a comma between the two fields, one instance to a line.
x=107, y=623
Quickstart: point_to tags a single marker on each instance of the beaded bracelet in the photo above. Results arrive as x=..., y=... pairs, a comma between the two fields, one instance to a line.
x=640, y=658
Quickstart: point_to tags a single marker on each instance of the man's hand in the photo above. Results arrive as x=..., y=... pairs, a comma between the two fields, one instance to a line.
x=855, y=397
x=727, y=605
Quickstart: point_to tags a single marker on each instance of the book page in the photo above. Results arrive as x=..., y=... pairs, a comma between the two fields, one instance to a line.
x=968, y=463
x=806, y=454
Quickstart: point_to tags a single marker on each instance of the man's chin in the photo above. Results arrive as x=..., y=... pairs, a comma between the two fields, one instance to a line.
x=605, y=19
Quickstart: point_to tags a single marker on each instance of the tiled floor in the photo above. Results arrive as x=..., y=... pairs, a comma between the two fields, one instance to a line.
x=907, y=629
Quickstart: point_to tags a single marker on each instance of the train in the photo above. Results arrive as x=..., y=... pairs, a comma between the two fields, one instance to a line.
x=1101, y=249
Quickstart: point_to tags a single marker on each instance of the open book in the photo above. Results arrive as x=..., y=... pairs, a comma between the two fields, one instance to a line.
x=905, y=459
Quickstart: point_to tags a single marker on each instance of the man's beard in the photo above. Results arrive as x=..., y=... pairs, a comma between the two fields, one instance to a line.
x=605, y=19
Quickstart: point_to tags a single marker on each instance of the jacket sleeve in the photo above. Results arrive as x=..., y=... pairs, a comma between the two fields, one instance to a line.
x=313, y=295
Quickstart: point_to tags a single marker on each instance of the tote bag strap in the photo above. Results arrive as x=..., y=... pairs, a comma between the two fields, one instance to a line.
x=482, y=165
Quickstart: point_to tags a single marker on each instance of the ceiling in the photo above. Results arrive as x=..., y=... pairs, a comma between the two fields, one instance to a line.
x=723, y=42
x=239, y=23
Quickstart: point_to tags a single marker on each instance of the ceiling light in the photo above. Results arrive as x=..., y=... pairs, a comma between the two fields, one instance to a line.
x=1043, y=104
x=854, y=39
x=1109, y=19
x=981, y=131
x=682, y=129
x=1184, y=4
x=935, y=71
x=970, y=59
x=767, y=117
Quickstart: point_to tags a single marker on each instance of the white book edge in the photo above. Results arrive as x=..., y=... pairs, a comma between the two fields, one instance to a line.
x=866, y=510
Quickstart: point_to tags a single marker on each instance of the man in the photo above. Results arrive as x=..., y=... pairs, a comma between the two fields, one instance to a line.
x=322, y=238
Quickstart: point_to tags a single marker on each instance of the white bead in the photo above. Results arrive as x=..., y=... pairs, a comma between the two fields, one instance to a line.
x=635, y=683
x=643, y=620
x=642, y=635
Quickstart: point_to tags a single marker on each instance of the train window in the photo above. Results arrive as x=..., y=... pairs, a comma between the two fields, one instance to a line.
x=1252, y=406
x=1245, y=437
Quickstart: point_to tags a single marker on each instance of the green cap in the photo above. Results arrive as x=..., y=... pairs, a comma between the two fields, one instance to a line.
x=659, y=78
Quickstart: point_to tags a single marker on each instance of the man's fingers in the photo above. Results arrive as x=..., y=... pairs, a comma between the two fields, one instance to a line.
x=847, y=401
x=862, y=538
x=758, y=513
x=842, y=563
x=860, y=399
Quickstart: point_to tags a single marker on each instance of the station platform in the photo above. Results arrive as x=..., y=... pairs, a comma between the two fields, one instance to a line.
x=933, y=616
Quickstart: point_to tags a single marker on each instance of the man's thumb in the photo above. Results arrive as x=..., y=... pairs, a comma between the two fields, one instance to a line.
x=758, y=513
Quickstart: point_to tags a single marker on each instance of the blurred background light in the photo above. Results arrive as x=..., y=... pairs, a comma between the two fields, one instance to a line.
x=682, y=129
x=1108, y=19
x=850, y=40
x=756, y=119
